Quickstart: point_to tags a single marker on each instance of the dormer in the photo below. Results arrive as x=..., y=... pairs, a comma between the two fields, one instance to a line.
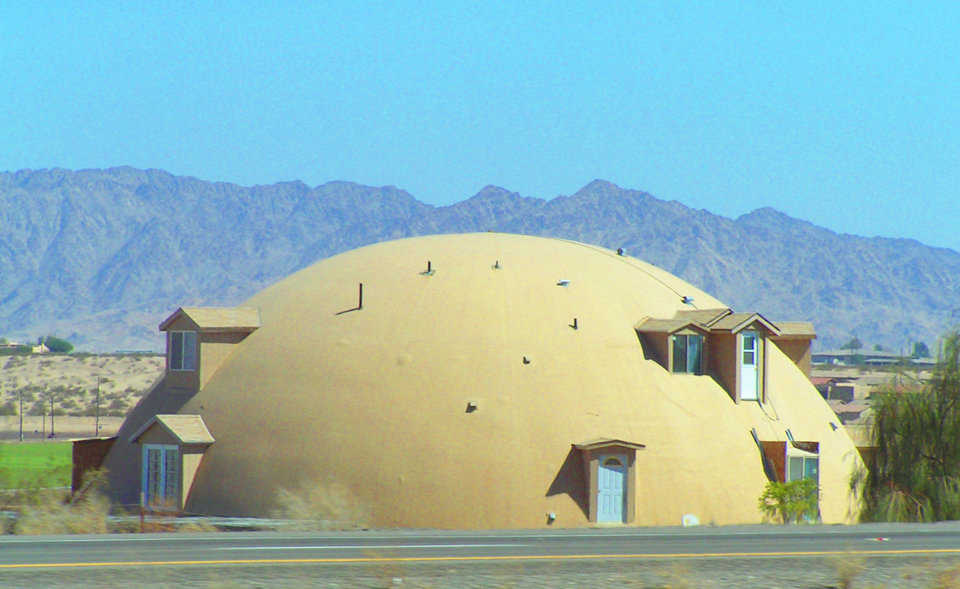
x=200, y=338
x=729, y=346
x=676, y=344
x=739, y=345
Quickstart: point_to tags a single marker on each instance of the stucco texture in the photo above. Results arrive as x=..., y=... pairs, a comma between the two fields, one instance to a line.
x=372, y=402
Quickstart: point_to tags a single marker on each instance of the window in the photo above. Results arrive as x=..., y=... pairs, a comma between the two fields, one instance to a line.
x=804, y=467
x=183, y=350
x=687, y=353
x=749, y=348
x=161, y=476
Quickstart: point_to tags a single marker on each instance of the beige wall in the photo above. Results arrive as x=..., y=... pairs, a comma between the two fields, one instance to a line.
x=723, y=362
x=214, y=348
x=797, y=350
x=657, y=348
x=190, y=457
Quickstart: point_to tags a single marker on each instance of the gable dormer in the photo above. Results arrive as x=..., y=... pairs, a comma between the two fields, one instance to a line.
x=676, y=344
x=200, y=338
x=729, y=346
x=740, y=341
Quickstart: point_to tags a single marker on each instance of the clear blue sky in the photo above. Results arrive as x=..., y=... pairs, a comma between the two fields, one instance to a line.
x=845, y=116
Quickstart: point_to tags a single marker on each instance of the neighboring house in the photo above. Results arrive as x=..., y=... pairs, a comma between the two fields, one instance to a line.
x=482, y=381
x=867, y=358
x=848, y=411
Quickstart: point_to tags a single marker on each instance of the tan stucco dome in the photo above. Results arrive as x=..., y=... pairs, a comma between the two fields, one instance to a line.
x=372, y=403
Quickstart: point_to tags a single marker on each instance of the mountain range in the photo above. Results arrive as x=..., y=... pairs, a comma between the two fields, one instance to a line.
x=102, y=256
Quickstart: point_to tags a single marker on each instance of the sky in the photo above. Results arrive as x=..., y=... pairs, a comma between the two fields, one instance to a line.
x=843, y=114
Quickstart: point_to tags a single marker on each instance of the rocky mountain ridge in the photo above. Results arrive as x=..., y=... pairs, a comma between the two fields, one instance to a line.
x=101, y=256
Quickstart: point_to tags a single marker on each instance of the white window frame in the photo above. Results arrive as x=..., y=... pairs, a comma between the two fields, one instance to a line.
x=793, y=452
x=185, y=337
x=163, y=501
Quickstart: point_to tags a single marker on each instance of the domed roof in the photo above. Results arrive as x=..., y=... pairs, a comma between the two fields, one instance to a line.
x=454, y=396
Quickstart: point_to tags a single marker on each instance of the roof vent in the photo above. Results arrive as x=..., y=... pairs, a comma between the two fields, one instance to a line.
x=563, y=282
x=687, y=300
x=619, y=251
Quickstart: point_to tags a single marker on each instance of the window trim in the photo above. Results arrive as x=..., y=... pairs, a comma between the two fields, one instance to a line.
x=185, y=336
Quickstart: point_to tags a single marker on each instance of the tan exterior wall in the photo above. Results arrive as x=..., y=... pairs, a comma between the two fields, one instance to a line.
x=190, y=458
x=657, y=348
x=214, y=348
x=123, y=462
x=723, y=362
x=797, y=350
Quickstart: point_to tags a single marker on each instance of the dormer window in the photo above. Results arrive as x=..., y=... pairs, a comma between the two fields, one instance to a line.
x=183, y=350
x=730, y=347
x=687, y=353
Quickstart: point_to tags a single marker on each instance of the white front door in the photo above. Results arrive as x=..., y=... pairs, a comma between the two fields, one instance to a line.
x=748, y=365
x=611, y=488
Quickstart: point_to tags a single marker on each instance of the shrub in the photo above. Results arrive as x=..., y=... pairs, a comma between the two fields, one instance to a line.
x=791, y=502
x=320, y=507
x=57, y=345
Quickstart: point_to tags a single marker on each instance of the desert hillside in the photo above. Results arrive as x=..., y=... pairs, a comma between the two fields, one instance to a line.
x=70, y=381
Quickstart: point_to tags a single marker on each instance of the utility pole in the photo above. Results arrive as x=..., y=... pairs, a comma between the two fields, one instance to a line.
x=20, y=394
x=52, y=433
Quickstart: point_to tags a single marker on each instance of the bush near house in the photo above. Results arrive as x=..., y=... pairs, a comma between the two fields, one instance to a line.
x=790, y=502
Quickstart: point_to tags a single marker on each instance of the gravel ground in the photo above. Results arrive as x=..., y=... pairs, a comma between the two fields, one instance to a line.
x=797, y=572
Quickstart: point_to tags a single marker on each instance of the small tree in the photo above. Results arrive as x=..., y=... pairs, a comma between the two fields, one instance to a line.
x=920, y=350
x=57, y=345
x=791, y=502
x=853, y=344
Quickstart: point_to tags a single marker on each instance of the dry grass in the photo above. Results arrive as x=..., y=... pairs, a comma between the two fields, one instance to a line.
x=948, y=579
x=57, y=516
x=320, y=507
x=848, y=567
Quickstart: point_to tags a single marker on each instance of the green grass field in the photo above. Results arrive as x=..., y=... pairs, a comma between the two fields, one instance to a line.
x=42, y=464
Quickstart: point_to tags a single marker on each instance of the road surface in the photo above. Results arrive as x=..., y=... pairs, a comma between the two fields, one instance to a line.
x=801, y=556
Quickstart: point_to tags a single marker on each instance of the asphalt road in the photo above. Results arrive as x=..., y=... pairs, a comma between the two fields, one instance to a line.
x=569, y=553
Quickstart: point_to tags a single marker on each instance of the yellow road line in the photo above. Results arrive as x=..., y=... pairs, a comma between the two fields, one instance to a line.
x=346, y=560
